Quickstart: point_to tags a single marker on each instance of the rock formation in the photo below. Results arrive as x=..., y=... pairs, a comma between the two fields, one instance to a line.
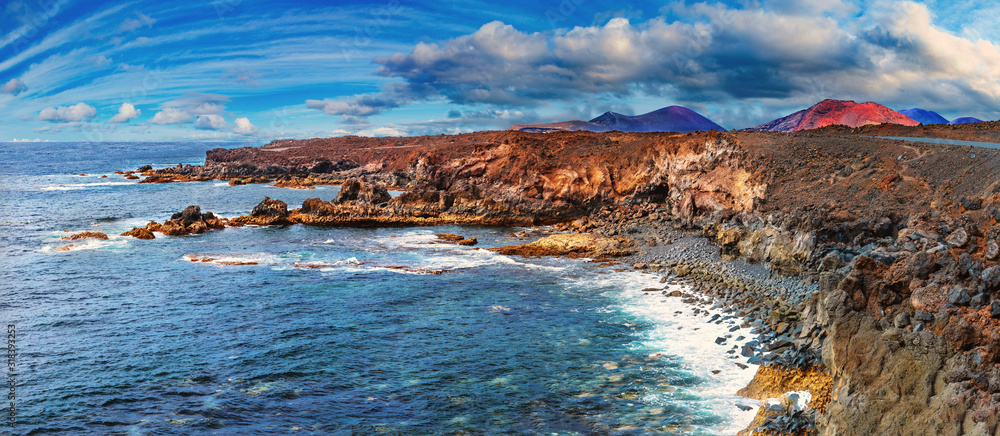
x=571, y=245
x=189, y=221
x=85, y=235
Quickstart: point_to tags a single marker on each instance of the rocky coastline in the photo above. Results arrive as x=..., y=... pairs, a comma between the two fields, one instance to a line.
x=868, y=266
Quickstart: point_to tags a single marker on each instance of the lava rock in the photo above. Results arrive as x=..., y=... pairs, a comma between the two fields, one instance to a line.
x=270, y=207
x=139, y=233
x=991, y=277
x=958, y=238
x=992, y=250
x=901, y=320
x=362, y=191
x=959, y=297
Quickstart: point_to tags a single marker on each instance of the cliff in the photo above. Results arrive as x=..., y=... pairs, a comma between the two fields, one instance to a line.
x=898, y=239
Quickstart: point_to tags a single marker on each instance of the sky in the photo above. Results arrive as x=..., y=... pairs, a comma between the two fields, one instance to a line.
x=255, y=71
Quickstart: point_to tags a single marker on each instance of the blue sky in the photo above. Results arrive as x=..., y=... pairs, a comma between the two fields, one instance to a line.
x=246, y=70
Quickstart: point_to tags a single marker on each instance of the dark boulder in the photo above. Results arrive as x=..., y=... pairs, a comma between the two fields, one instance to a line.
x=271, y=208
x=362, y=191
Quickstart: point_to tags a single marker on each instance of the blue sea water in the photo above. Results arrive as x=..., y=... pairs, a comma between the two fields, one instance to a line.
x=325, y=331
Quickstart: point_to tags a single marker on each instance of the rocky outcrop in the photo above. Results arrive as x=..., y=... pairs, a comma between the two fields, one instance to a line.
x=139, y=233
x=573, y=245
x=456, y=239
x=362, y=191
x=189, y=221
x=266, y=213
x=85, y=235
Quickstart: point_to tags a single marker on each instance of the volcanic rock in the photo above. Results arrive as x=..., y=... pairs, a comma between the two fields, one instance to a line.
x=189, y=221
x=85, y=235
x=270, y=208
x=360, y=190
x=139, y=233
x=571, y=245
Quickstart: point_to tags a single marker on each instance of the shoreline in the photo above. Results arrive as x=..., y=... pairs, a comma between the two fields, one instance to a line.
x=872, y=259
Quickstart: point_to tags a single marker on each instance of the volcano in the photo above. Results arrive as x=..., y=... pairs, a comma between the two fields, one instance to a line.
x=966, y=120
x=830, y=112
x=669, y=119
x=924, y=116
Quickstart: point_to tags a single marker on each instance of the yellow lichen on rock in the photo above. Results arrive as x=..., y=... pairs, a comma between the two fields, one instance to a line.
x=571, y=245
x=776, y=380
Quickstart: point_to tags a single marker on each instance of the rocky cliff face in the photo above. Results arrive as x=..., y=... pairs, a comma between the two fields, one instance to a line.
x=518, y=178
x=901, y=238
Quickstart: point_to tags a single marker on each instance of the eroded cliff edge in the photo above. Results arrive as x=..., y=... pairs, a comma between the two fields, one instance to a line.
x=900, y=238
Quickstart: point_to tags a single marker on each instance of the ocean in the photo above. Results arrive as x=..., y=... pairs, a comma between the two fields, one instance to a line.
x=324, y=331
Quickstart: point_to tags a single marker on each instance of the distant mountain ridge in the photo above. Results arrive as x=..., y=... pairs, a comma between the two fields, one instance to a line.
x=669, y=119
x=924, y=116
x=966, y=120
x=829, y=112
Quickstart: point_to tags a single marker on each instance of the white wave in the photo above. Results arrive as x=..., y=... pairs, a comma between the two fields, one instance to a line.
x=75, y=186
x=66, y=245
x=689, y=337
x=231, y=259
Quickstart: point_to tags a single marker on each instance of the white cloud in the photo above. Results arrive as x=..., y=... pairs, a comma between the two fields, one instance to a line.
x=125, y=113
x=387, y=130
x=30, y=140
x=171, y=115
x=131, y=24
x=210, y=122
x=776, y=54
x=14, y=87
x=64, y=114
x=244, y=76
x=244, y=127
x=99, y=60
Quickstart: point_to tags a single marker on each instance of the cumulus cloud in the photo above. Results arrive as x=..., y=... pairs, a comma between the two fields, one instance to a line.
x=243, y=126
x=392, y=96
x=125, y=113
x=210, y=122
x=204, y=109
x=13, y=87
x=66, y=114
x=786, y=52
x=171, y=115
